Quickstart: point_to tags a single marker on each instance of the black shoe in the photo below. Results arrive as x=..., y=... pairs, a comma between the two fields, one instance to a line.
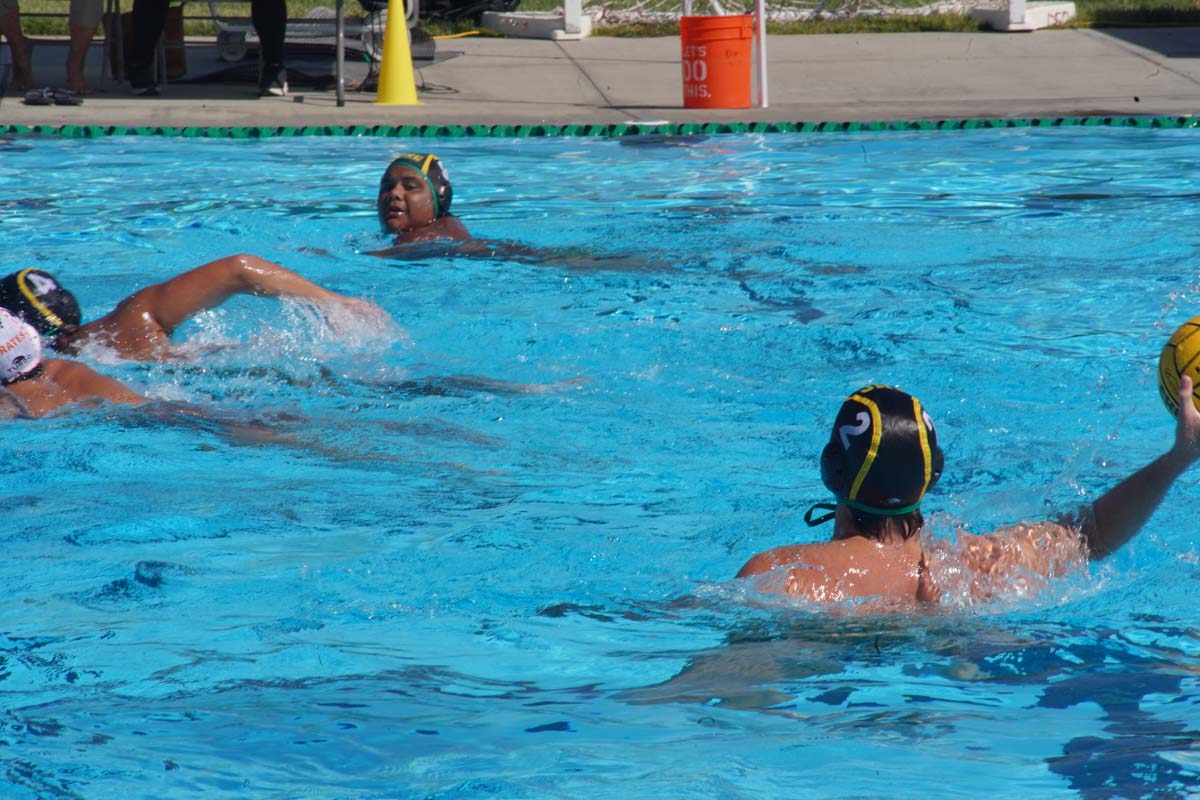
x=141, y=82
x=272, y=81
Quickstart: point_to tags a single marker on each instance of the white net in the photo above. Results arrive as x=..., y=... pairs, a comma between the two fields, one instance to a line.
x=623, y=12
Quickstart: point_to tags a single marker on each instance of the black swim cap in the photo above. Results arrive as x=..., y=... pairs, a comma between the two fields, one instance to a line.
x=36, y=297
x=435, y=174
x=883, y=453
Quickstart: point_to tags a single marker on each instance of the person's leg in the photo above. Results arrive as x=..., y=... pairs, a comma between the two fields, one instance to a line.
x=85, y=18
x=149, y=19
x=270, y=22
x=20, y=47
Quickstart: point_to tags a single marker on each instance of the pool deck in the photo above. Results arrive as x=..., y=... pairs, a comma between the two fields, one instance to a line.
x=605, y=80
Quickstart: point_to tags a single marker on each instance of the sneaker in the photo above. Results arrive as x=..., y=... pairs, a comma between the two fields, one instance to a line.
x=141, y=82
x=272, y=81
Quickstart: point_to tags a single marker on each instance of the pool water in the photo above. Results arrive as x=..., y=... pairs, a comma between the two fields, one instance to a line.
x=490, y=551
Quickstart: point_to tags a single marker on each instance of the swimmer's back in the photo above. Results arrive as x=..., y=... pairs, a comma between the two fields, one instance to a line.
x=843, y=569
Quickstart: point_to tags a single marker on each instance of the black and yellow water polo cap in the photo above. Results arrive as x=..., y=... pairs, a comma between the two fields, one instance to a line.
x=36, y=297
x=883, y=453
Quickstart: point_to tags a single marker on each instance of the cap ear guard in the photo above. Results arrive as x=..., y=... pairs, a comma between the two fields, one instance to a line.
x=833, y=469
x=883, y=454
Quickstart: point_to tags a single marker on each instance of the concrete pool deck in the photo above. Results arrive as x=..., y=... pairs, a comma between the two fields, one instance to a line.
x=605, y=80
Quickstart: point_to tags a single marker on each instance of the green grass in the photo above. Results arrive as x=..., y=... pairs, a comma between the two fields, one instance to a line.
x=1090, y=13
x=1135, y=13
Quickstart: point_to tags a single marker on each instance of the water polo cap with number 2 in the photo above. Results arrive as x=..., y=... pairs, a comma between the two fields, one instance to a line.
x=883, y=453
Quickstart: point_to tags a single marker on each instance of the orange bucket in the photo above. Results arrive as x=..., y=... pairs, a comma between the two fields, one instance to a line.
x=716, y=60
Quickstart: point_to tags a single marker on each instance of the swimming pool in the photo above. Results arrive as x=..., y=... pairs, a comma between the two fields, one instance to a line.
x=462, y=589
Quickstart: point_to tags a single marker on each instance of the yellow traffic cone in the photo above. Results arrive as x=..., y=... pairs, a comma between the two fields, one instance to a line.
x=397, y=87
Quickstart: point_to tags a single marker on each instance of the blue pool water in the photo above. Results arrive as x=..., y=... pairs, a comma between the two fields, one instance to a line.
x=518, y=583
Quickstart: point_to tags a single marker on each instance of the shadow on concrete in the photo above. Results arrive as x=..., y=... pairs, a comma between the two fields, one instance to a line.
x=1170, y=42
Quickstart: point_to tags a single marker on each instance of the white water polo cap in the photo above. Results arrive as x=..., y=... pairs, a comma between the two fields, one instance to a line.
x=20, y=348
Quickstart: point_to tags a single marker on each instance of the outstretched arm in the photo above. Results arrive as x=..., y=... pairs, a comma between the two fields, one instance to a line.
x=171, y=303
x=64, y=383
x=92, y=385
x=1120, y=513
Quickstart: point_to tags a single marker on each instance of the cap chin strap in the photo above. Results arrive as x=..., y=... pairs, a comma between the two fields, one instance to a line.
x=830, y=510
x=33, y=373
x=814, y=521
x=437, y=202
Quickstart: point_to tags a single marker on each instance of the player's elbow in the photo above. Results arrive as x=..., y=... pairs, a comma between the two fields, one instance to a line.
x=241, y=272
x=242, y=262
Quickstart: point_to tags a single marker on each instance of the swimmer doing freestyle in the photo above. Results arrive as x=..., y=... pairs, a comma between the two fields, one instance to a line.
x=141, y=325
x=883, y=456
x=34, y=386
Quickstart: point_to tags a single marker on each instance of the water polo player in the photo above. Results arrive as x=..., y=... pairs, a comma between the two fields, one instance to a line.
x=881, y=459
x=414, y=200
x=414, y=206
x=141, y=325
x=33, y=386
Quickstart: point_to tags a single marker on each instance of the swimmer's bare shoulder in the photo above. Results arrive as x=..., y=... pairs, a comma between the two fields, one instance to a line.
x=63, y=382
x=447, y=227
x=841, y=569
x=80, y=379
x=806, y=573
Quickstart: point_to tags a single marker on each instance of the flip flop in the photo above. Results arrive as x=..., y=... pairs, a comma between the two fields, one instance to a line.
x=39, y=97
x=65, y=97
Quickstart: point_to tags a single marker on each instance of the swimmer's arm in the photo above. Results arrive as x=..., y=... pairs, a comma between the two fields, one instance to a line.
x=1119, y=514
x=242, y=431
x=11, y=407
x=173, y=302
x=81, y=382
x=1020, y=552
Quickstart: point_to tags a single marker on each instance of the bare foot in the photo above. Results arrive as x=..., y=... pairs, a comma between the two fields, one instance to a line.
x=75, y=80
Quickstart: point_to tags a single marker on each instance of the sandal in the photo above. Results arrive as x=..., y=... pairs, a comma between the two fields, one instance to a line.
x=39, y=97
x=65, y=97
